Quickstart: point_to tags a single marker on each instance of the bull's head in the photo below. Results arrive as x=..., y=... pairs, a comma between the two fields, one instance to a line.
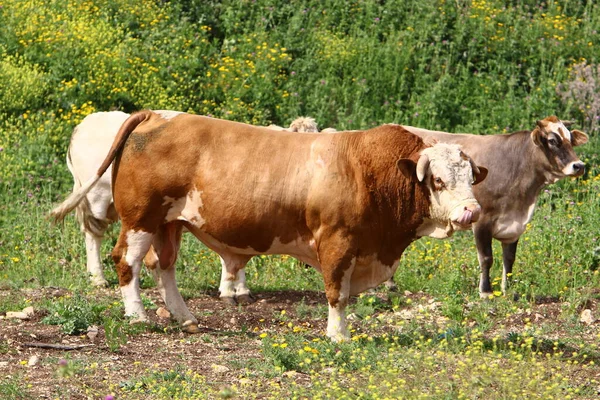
x=553, y=137
x=449, y=174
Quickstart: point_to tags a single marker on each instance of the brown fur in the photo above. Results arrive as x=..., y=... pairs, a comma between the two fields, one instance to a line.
x=256, y=187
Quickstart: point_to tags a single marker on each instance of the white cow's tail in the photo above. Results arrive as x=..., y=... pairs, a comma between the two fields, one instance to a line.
x=59, y=213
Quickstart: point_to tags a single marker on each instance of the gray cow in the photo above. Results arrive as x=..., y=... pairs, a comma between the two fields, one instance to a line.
x=520, y=165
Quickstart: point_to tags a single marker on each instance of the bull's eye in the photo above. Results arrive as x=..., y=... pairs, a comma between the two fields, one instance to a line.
x=553, y=142
x=439, y=183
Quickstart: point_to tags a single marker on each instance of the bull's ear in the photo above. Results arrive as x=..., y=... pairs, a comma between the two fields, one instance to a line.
x=537, y=135
x=579, y=137
x=481, y=175
x=407, y=167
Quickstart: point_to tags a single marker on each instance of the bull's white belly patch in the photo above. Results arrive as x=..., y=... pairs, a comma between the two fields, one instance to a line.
x=186, y=208
x=512, y=225
x=371, y=272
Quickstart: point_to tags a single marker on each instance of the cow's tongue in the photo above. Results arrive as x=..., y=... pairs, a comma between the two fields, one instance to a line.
x=466, y=217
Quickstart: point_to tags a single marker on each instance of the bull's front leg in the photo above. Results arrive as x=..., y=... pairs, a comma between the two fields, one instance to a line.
x=483, y=241
x=509, y=254
x=337, y=273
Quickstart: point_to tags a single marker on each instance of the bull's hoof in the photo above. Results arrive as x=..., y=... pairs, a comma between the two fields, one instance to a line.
x=245, y=299
x=230, y=301
x=190, y=327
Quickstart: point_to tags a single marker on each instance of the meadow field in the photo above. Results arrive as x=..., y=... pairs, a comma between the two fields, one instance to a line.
x=485, y=67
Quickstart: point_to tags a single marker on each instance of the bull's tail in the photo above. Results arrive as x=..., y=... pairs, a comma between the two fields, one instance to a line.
x=59, y=213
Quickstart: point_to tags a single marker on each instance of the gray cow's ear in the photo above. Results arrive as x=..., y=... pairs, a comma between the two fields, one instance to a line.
x=406, y=166
x=537, y=135
x=579, y=137
x=480, y=175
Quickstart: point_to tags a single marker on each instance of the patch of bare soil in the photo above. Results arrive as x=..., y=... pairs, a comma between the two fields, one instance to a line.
x=228, y=340
x=228, y=333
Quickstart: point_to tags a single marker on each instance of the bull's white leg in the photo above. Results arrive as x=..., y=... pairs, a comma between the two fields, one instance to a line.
x=337, y=329
x=137, y=244
x=167, y=287
x=161, y=261
x=94, y=262
x=233, y=279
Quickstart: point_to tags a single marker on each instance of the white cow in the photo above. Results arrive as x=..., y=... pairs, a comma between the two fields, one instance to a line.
x=90, y=142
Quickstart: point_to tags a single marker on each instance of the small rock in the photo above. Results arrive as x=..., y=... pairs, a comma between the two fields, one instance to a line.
x=17, y=315
x=538, y=317
x=33, y=360
x=233, y=321
x=587, y=317
x=407, y=292
x=220, y=369
x=163, y=313
x=405, y=314
x=3, y=363
x=352, y=317
x=245, y=381
x=28, y=311
x=290, y=374
x=92, y=332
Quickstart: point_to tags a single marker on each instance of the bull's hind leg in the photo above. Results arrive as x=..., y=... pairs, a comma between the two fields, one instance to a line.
x=127, y=255
x=166, y=243
x=233, y=279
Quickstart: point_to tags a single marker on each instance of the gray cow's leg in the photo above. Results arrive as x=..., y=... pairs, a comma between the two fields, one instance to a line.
x=483, y=240
x=509, y=253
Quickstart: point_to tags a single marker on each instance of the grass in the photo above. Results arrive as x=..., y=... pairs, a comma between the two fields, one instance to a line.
x=476, y=66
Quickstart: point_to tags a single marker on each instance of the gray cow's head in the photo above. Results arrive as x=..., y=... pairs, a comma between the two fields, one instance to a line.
x=553, y=137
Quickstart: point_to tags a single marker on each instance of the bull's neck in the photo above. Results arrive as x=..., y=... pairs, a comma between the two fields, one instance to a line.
x=398, y=204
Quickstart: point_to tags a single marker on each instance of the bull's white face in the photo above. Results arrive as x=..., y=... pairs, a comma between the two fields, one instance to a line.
x=449, y=175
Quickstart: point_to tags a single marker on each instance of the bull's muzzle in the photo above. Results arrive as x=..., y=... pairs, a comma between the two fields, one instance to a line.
x=469, y=215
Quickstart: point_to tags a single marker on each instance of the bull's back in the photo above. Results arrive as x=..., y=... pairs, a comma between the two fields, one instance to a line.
x=233, y=175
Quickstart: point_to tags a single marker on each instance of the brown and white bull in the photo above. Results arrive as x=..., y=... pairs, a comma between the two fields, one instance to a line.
x=348, y=204
x=520, y=165
x=90, y=142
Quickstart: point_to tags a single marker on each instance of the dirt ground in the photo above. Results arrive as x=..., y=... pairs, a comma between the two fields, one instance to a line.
x=229, y=334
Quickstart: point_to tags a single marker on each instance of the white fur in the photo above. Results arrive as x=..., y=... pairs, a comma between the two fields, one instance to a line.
x=186, y=208
x=337, y=329
x=138, y=243
x=555, y=126
x=447, y=163
x=168, y=114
